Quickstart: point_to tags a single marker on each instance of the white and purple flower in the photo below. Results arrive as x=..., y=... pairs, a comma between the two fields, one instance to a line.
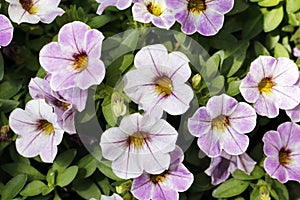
x=270, y=85
x=282, y=148
x=74, y=61
x=222, y=166
x=37, y=129
x=33, y=11
x=166, y=185
x=155, y=11
x=204, y=16
x=158, y=83
x=140, y=144
x=120, y=4
x=6, y=31
x=222, y=125
x=65, y=103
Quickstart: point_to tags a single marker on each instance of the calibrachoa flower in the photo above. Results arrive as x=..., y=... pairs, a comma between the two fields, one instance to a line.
x=204, y=16
x=221, y=166
x=222, y=125
x=270, y=85
x=74, y=61
x=155, y=11
x=37, y=129
x=139, y=144
x=166, y=185
x=65, y=103
x=120, y=4
x=282, y=148
x=158, y=83
x=296, y=52
x=294, y=113
x=6, y=31
x=33, y=11
x=112, y=197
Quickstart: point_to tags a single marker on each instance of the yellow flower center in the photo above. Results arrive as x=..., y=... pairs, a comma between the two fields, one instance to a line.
x=62, y=105
x=46, y=127
x=29, y=6
x=196, y=6
x=137, y=140
x=81, y=62
x=163, y=86
x=285, y=157
x=159, y=178
x=154, y=9
x=220, y=123
x=265, y=86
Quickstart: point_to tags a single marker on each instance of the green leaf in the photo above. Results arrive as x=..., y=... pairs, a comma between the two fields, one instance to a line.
x=281, y=190
x=233, y=88
x=65, y=177
x=104, y=185
x=238, y=54
x=107, y=111
x=253, y=24
x=292, y=5
x=230, y=188
x=8, y=105
x=257, y=173
x=272, y=18
x=33, y=188
x=260, y=49
x=268, y=3
x=63, y=160
x=99, y=21
x=13, y=187
x=86, y=189
x=216, y=85
x=271, y=40
x=87, y=166
x=280, y=51
x=105, y=168
x=21, y=168
x=255, y=194
x=1, y=67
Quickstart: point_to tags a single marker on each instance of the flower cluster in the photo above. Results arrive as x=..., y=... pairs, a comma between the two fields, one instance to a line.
x=139, y=145
x=143, y=146
x=221, y=127
x=74, y=67
x=203, y=16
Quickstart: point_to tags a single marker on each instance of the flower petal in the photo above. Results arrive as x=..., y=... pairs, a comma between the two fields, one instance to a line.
x=200, y=123
x=210, y=22
x=234, y=143
x=266, y=106
x=272, y=143
x=243, y=119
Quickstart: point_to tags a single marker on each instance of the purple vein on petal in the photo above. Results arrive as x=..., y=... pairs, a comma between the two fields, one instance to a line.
x=152, y=154
x=212, y=25
x=156, y=69
x=176, y=70
x=32, y=141
x=179, y=99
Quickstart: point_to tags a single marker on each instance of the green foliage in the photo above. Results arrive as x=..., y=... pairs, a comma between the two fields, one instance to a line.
x=230, y=188
x=17, y=168
x=13, y=187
